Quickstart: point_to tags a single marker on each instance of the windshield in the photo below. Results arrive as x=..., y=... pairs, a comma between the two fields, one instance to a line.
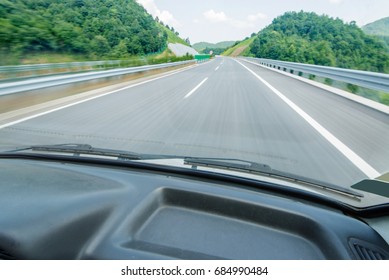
x=216, y=80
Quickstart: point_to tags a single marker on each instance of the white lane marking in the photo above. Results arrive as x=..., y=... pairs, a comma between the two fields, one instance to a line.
x=346, y=151
x=217, y=68
x=91, y=98
x=196, y=88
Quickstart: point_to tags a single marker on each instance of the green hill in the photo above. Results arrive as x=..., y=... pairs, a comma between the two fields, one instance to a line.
x=91, y=29
x=379, y=28
x=205, y=45
x=310, y=38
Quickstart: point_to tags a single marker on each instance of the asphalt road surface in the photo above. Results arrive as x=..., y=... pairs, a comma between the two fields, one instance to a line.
x=226, y=108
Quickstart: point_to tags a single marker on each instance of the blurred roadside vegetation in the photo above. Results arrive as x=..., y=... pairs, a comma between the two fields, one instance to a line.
x=47, y=31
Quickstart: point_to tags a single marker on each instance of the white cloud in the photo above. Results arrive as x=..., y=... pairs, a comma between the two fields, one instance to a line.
x=165, y=16
x=221, y=17
x=258, y=16
x=241, y=23
x=336, y=1
x=213, y=16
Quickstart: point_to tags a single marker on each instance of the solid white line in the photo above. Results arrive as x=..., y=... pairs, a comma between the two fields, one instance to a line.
x=217, y=68
x=91, y=98
x=196, y=88
x=346, y=151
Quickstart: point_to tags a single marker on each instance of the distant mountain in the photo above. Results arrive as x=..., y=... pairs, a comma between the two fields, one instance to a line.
x=205, y=45
x=322, y=40
x=379, y=27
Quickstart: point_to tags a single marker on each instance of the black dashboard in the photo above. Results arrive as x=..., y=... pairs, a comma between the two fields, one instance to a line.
x=65, y=210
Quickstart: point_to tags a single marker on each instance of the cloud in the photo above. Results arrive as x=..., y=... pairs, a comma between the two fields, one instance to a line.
x=336, y=1
x=221, y=17
x=259, y=16
x=241, y=23
x=165, y=16
x=213, y=16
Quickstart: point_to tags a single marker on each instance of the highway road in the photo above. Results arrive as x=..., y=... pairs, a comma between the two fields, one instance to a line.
x=225, y=108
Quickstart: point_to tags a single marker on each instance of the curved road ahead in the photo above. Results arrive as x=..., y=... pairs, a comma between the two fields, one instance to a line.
x=226, y=108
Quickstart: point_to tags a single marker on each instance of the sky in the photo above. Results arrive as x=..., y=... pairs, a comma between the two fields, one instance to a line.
x=231, y=20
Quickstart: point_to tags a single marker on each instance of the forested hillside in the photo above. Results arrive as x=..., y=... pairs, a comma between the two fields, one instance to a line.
x=310, y=38
x=95, y=28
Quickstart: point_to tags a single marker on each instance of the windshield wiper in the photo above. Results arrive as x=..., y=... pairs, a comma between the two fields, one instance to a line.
x=264, y=169
x=85, y=149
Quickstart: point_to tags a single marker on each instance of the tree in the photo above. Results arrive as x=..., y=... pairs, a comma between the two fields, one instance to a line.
x=120, y=50
x=100, y=45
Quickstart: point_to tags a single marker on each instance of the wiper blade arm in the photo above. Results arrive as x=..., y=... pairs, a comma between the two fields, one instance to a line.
x=264, y=169
x=231, y=164
x=85, y=149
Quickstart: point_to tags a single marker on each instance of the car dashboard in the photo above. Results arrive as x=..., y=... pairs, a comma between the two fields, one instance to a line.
x=67, y=210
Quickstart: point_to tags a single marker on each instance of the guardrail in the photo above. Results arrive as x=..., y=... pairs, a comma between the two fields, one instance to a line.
x=365, y=79
x=34, y=70
x=44, y=82
x=29, y=70
x=37, y=67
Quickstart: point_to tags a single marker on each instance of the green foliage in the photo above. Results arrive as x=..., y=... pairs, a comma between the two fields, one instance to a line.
x=310, y=38
x=352, y=88
x=328, y=81
x=385, y=99
x=94, y=28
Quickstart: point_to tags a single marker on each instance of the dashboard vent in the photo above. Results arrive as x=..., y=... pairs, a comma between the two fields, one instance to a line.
x=4, y=255
x=365, y=251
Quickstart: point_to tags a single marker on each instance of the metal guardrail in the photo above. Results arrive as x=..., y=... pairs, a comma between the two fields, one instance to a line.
x=34, y=70
x=49, y=66
x=365, y=79
x=44, y=82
